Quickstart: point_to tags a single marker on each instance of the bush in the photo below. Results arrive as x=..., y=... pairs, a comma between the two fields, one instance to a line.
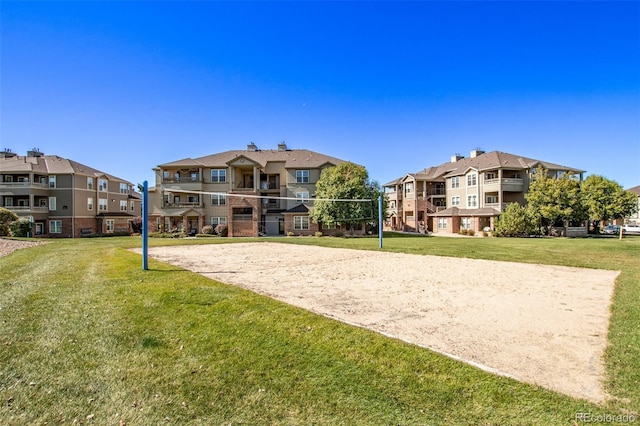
x=21, y=228
x=471, y=232
x=6, y=217
x=318, y=234
x=207, y=229
x=515, y=221
x=222, y=230
x=462, y=231
x=485, y=234
x=290, y=234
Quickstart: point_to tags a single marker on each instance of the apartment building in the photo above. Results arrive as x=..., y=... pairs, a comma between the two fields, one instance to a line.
x=634, y=218
x=253, y=191
x=464, y=193
x=64, y=198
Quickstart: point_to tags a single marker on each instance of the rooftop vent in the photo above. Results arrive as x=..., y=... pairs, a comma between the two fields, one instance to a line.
x=456, y=157
x=282, y=146
x=35, y=152
x=6, y=153
x=252, y=147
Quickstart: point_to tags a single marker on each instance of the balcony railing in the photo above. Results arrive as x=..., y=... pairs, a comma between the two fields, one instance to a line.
x=182, y=204
x=505, y=181
x=185, y=179
x=27, y=208
x=23, y=185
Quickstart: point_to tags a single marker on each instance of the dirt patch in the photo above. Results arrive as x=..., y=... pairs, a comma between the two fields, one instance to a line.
x=9, y=246
x=541, y=324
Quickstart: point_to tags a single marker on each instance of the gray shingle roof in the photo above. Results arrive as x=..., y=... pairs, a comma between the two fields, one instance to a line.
x=292, y=158
x=52, y=165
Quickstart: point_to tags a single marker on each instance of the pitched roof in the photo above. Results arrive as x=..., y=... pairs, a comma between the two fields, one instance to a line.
x=292, y=158
x=635, y=190
x=488, y=161
x=300, y=208
x=50, y=164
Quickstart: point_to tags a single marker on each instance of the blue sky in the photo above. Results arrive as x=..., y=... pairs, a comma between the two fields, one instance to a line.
x=394, y=86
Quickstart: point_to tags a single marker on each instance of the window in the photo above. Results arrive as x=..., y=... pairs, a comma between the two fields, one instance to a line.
x=392, y=204
x=300, y=223
x=218, y=199
x=124, y=188
x=455, y=182
x=89, y=183
x=218, y=220
x=166, y=175
x=132, y=205
x=90, y=203
x=52, y=203
x=110, y=225
x=8, y=201
x=102, y=204
x=490, y=176
x=455, y=201
x=327, y=226
x=102, y=185
x=408, y=188
x=52, y=181
x=123, y=205
x=472, y=179
x=465, y=223
x=55, y=226
x=442, y=223
x=472, y=201
x=492, y=199
x=218, y=175
x=193, y=199
x=302, y=197
x=302, y=176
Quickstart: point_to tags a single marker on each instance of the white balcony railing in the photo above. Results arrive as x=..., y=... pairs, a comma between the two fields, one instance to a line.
x=23, y=185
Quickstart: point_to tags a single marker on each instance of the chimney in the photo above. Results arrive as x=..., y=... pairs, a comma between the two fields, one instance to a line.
x=282, y=146
x=456, y=157
x=252, y=147
x=6, y=153
x=476, y=152
x=35, y=152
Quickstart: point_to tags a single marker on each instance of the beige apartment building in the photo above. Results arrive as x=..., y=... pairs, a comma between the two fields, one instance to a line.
x=254, y=192
x=464, y=193
x=64, y=198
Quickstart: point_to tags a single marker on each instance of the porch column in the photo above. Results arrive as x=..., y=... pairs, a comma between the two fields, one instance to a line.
x=499, y=192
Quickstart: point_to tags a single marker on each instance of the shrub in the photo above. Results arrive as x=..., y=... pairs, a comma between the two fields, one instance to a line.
x=318, y=234
x=515, y=221
x=471, y=232
x=290, y=234
x=207, y=229
x=462, y=231
x=21, y=228
x=485, y=234
x=222, y=230
x=6, y=217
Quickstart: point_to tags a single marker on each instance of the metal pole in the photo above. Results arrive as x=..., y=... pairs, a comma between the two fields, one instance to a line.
x=145, y=225
x=380, y=221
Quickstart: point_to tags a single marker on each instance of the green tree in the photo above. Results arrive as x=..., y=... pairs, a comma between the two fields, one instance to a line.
x=6, y=218
x=346, y=181
x=605, y=199
x=554, y=201
x=516, y=221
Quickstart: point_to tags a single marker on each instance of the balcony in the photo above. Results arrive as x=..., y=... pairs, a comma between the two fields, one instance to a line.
x=27, y=209
x=506, y=184
x=182, y=204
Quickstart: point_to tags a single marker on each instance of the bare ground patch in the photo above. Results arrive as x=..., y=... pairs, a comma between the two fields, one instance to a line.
x=540, y=324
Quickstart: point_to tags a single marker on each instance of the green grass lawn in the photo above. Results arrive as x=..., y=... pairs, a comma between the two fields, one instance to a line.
x=87, y=337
